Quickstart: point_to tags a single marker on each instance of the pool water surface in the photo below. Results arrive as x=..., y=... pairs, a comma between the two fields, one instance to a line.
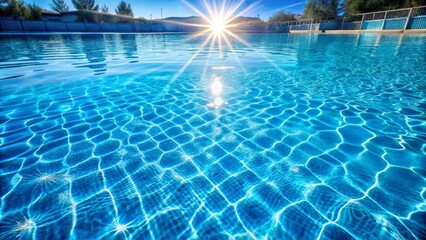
x=292, y=136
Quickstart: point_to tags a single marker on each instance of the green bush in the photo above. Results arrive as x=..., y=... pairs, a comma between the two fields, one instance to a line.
x=98, y=17
x=17, y=9
x=281, y=16
x=34, y=12
x=88, y=16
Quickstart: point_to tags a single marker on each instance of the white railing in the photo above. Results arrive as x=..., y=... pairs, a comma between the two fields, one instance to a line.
x=396, y=13
x=355, y=22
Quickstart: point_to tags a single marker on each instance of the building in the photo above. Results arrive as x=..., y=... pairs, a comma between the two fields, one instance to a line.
x=50, y=16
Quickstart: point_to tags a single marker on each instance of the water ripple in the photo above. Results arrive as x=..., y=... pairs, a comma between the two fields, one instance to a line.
x=99, y=142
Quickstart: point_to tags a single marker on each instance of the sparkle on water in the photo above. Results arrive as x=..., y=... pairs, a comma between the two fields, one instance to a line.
x=120, y=228
x=46, y=178
x=278, y=136
x=26, y=226
x=216, y=90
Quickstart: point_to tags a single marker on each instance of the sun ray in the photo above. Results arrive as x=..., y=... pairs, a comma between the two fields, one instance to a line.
x=218, y=16
x=220, y=37
x=229, y=44
x=197, y=11
x=187, y=24
x=220, y=21
x=280, y=70
x=241, y=13
x=222, y=8
x=198, y=34
x=230, y=33
x=233, y=9
x=209, y=9
x=212, y=44
x=186, y=65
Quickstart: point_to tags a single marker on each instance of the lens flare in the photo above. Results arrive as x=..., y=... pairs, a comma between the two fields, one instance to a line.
x=218, y=26
x=216, y=89
x=219, y=17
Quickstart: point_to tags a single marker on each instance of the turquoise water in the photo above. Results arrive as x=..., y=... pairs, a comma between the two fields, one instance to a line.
x=150, y=137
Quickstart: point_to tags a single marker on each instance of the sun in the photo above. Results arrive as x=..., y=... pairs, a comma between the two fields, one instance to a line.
x=218, y=26
x=218, y=16
x=218, y=21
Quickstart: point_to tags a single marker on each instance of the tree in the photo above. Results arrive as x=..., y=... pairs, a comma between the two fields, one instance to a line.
x=34, y=12
x=88, y=16
x=414, y=3
x=59, y=6
x=124, y=8
x=322, y=9
x=362, y=6
x=16, y=9
x=281, y=16
x=85, y=5
x=104, y=9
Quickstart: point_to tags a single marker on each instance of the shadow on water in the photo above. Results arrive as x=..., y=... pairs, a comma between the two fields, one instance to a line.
x=94, y=49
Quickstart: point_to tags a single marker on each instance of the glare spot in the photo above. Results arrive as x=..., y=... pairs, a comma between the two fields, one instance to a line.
x=216, y=89
x=120, y=228
x=218, y=26
x=122, y=164
x=252, y=124
x=382, y=220
x=64, y=198
x=218, y=102
x=27, y=225
x=65, y=108
x=122, y=152
x=185, y=156
x=217, y=131
x=230, y=138
x=46, y=178
x=294, y=169
x=222, y=67
x=309, y=188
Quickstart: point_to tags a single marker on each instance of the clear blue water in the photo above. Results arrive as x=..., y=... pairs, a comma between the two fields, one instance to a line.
x=296, y=137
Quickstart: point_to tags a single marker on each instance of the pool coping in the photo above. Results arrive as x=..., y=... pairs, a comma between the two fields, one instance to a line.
x=408, y=31
x=86, y=33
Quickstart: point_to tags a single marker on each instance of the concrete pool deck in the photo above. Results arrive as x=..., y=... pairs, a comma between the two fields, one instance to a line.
x=362, y=31
x=422, y=31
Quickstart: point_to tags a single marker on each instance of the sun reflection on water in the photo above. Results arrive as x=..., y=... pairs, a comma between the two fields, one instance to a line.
x=216, y=89
x=222, y=67
x=219, y=18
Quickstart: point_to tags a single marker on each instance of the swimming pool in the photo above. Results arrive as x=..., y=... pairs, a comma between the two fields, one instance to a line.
x=150, y=136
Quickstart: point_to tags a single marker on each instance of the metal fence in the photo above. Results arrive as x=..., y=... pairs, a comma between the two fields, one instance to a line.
x=159, y=26
x=49, y=26
x=398, y=19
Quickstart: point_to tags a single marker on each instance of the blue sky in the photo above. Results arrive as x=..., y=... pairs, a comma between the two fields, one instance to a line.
x=175, y=8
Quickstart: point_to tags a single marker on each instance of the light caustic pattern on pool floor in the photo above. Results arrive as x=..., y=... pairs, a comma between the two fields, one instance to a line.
x=304, y=148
